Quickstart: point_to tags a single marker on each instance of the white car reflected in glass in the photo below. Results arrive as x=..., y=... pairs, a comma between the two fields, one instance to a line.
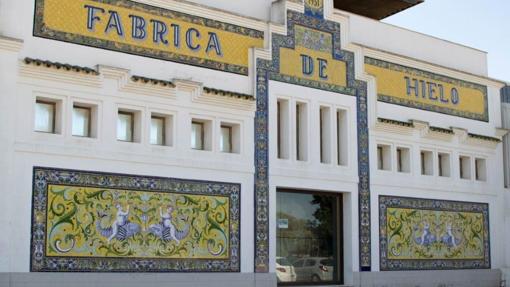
x=284, y=270
x=314, y=269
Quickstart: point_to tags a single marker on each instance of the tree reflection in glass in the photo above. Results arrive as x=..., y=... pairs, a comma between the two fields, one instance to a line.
x=307, y=237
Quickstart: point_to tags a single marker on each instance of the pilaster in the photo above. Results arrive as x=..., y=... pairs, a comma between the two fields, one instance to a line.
x=9, y=50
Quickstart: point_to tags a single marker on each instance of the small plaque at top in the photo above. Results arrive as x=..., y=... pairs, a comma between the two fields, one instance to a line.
x=314, y=8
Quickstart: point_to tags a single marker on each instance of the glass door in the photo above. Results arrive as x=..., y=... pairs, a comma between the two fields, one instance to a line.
x=309, y=238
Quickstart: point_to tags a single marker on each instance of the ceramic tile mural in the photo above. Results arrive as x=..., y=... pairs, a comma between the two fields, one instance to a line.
x=86, y=221
x=432, y=234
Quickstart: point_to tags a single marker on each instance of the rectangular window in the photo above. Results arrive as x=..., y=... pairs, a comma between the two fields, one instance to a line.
x=282, y=118
x=197, y=135
x=226, y=139
x=341, y=137
x=45, y=115
x=465, y=167
x=426, y=161
x=380, y=157
x=443, y=160
x=325, y=134
x=403, y=160
x=301, y=132
x=81, y=123
x=481, y=169
x=158, y=131
x=309, y=238
x=125, y=126
x=383, y=157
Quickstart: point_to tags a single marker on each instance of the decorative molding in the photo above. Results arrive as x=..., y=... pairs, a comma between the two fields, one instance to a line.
x=155, y=82
x=135, y=84
x=10, y=44
x=484, y=138
x=475, y=140
x=148, y=86
x=188, y=86
x=500, y=133
x=394, y=126
x=430, y=234
x=431, y=132
x=230, y=94
x=438, y=133
x=395, y=122
x=270, y=70
x=441, y=130
x=60, y=66
x=50, y=72
x=79, y=200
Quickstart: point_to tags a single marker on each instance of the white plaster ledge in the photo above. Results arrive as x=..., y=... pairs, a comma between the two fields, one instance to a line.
x=10, y=44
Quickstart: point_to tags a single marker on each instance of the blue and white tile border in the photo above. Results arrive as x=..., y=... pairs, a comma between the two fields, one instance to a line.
x=270, y=70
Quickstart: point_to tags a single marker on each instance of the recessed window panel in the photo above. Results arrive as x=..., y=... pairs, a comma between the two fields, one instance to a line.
x=282, y=127
x=45, y=117
x=226, y=139
x=197, y=135
x=383, y=157
x=81, y=121
x=309, y=236
x=443, y=160
x=403, y=160
x=157, y=131
x=465, y=167
x=301, y=132
x=480, y=169
x=125, y=125
x=426, y=161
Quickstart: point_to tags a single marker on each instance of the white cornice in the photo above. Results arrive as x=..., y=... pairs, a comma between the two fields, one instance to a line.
x=393, y=128
x=198, y=96
x=30, y=72
x=424, y=131
x=10, y=44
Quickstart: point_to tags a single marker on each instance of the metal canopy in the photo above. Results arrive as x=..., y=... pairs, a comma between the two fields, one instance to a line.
x=375, y=9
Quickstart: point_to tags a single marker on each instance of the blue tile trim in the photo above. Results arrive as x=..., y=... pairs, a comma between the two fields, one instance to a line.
x=270, y=70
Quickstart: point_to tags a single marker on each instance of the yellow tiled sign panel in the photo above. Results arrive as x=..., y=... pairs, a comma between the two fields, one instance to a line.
x=146, y=30
x=291, y=65
x=111, y=223
x=415, y=234
x=420, y=89
x=315, y=48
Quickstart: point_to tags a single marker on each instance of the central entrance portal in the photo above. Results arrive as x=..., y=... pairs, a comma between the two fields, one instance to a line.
x=309, y=238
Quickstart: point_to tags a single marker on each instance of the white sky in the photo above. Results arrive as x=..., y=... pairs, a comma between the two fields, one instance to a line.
x=481, y=24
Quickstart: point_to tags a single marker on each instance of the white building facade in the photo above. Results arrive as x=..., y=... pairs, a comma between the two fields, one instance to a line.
x=250, y=144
